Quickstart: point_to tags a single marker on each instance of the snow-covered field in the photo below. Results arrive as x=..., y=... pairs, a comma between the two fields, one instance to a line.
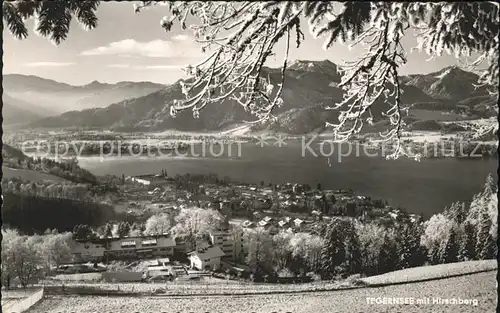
x=235, y=131
x=432, y=272
x=477, y=287
x=428, y=136
x=205, y=285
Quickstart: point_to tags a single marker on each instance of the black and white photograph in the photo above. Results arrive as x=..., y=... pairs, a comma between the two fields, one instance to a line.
x=249, y=156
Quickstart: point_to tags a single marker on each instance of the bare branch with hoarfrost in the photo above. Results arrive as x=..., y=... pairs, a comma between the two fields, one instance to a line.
x=241, y=36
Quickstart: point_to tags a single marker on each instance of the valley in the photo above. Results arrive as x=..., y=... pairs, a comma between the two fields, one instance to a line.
x=45, y=97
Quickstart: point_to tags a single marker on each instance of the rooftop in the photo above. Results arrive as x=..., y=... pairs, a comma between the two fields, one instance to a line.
x=208, y=253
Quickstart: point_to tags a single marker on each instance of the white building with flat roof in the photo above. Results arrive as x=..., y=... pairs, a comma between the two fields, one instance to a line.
x=206, y=259
x=230, y=244
x=88, y=250
x=123, y=248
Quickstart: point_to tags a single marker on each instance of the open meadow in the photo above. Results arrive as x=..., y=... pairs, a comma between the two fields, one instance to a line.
x=480, y=287
x=30, y=175
x=431, y=272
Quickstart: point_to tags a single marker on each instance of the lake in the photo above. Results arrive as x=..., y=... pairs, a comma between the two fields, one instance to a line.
x=421, y=187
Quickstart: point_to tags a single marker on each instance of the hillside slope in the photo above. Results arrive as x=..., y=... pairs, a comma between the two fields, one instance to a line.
x=61, y=97
x=450, y=83
x=152, y=112
x=17, y=164
x=432, y=272
x=480, y=287
x=14, y=115
x=310, y=87
x=16, y=111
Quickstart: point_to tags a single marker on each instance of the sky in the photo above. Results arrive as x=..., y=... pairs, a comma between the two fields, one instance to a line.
x=134, y=47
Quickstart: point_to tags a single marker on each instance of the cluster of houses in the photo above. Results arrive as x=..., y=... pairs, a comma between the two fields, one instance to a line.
x=295, y=198
x=296, y=208
x=285, y=223
x=241, y=200
x=207, y=253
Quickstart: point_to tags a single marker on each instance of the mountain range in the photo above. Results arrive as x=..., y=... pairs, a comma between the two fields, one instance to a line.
x=18, y=111
x=47, y=97
x=310, y=86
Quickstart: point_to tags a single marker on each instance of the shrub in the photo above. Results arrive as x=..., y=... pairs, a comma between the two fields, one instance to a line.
x=285, y=273
x=314, y=276
x=159, y=291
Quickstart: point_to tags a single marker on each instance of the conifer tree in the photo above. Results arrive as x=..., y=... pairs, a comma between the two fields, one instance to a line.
x=441, y=253
x=108, y=230
x=467, y=250
x=53, y=17
x=341, y=253
x=434, y=255
x=457, y=212
x=333, y=252
x=490, y=249
x=352, y=263
x=451, y=248
x=82, y=232
x=123, y=229
x=404, y=249
x=409, y=250
x=485, y=245
x=388, y=259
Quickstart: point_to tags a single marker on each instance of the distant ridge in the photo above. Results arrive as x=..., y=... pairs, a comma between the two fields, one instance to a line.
x=53, y=96
x=310, y=87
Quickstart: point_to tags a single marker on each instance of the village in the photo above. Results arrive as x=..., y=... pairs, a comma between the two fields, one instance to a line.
x=222, y=249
